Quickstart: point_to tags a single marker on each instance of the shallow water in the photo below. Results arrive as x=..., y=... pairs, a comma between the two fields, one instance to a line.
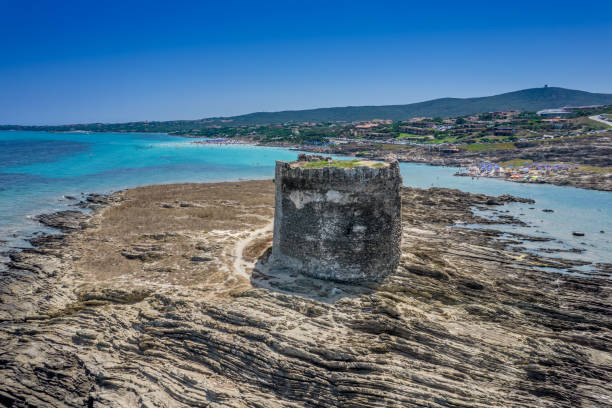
x=575, y=209
x=37, y=169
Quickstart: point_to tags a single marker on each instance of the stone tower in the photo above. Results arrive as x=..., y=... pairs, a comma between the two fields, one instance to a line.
x=338, y=221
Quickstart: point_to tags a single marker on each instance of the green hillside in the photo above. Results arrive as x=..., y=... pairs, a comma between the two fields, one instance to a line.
x=526, y=100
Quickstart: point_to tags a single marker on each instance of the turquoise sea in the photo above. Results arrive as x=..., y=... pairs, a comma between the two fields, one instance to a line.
x=38, y=169
x=574, y=209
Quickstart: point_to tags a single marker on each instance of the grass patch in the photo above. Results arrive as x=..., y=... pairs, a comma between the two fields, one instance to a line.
x=443, y=140
x=343, y=164
x=392, y=147
x=593, y=169
x=590, y=124
x=477, y=147
x=410, y=135
x=515, y=163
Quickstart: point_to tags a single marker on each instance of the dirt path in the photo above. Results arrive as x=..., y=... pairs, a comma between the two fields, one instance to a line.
x=240, y=265
x=596, y=118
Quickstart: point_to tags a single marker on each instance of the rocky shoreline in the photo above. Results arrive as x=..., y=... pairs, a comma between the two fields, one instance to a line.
x=593, y=153
x=161, y=297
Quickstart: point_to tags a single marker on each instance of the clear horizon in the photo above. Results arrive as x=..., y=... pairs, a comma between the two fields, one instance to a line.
x=132, y=61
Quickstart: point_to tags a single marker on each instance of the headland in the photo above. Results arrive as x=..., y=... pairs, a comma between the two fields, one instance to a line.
x=161, y=297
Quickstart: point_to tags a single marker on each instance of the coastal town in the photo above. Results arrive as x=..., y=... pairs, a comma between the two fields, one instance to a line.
x=568, y=145
x=565, y=146
x=285, y=204
x=526, y=173
x=488, y=127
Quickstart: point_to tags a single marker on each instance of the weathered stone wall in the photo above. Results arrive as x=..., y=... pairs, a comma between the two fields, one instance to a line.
x=335, y=223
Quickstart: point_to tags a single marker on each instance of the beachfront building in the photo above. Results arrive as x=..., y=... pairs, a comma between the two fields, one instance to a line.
x=503, y=131
x=557, y=123
x=555, y=113
x=363, y=128
x=421, y=122
x=414, y=130
x=581, y=108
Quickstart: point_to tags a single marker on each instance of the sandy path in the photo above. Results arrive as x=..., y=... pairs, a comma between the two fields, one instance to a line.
x=240, y=265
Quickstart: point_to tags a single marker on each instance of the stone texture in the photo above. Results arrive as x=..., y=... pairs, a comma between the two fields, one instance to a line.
x=336, y=223
x=467, y=320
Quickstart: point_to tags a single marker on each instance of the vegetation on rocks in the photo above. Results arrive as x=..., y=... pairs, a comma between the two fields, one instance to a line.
x=343, y=164
x=493, y=146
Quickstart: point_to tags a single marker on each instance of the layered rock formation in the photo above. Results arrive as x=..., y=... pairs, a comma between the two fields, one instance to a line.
x=465, y=321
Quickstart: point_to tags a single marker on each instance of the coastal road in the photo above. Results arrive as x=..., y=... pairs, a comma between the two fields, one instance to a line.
x=596, y=118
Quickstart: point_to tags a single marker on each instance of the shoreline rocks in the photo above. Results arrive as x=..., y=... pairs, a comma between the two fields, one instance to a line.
x=595, y=150
x=466, y=320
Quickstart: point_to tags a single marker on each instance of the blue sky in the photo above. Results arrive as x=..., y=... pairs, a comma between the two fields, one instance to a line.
x=106, y=61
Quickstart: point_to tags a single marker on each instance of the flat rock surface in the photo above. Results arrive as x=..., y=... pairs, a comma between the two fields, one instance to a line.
x=124, y=311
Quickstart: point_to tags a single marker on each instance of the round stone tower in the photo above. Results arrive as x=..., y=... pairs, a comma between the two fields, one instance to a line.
x=338, y=220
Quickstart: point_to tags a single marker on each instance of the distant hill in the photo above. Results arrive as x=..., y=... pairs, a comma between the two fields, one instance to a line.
x=526, y=100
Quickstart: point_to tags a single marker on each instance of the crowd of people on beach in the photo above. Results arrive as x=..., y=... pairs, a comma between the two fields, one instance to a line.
x=218, y=140
x=531, y=172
